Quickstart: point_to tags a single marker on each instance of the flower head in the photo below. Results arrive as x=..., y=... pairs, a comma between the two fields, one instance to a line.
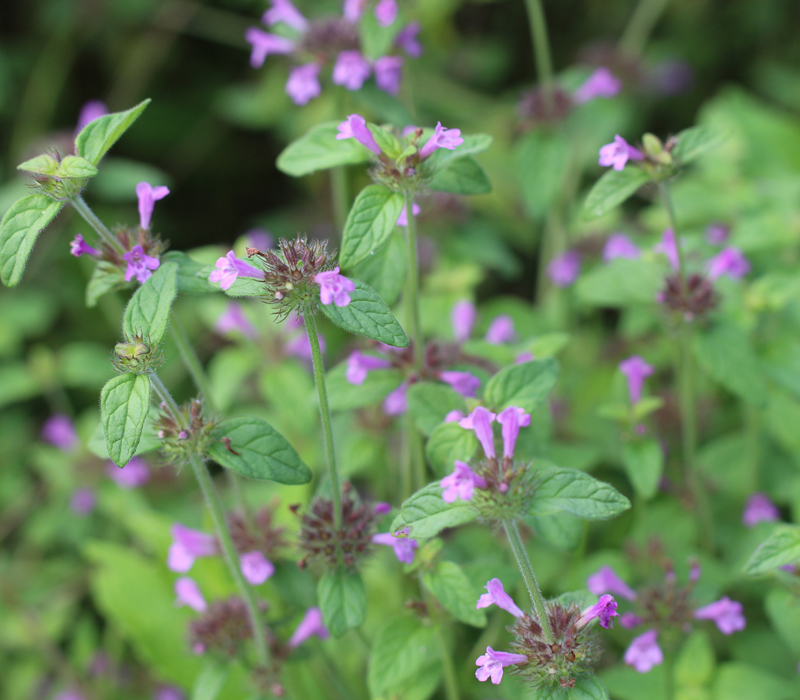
x=501, y=330
x=464, y=383
x=442, y=138
x=512, y=419
x=402, y=220
x=334, y=288
x=729, y=261
x=669, y=247
x=233, y=319
x=309, y=626
x=135, y=473
x=350, y=70
x=759, y=508
x=355, y=127
x=303, y=83
x=59, y=430
x=188, y=593
x=604, y=610
x=386, y=12
x=396, y=402
x=403, y=546
x=78, y=247
x=480, y=420
x=187, y=545
x=82, y=501
x=264, y=44
x=493, y=662
x=606, y=581
x=148, y=196
x=644, y=652
x=408, y=41
x=461, y=483
x=496, y=595
x=601, y=83
x=463, y=319
x=140, y=265
x=564, y=269
x=636, y=370
x=620, y=246
x=618, y=153
x=389, y=73
x=256, y=568
x=229, y=268
x=726, y=614
x=284, y=11
x=359, y=365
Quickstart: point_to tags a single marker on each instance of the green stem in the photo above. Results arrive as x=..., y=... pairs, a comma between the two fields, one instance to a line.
x=192, y=362
x=640, y=25
x=666, y=200
x=412, y=284
x=541, y=47
x=325, y=413
x=524, y=563
x=100, y=228
x=166, y=398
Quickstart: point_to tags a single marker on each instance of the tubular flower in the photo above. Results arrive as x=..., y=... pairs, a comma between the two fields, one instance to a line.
x=334, y=288
x=311, y=625
x=604, y=610
x=480, y=420
x=606, y=581
x=725, y=613
x=493, y=662
x=461, y=483
x=496, y=595
x=229, y=268
x=618, y=153
x=636, y=370
x=644, y=653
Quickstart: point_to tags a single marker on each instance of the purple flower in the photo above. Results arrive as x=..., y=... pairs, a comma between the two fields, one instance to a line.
x=523, y=357
x=310, y=625
x=408, y=41
x=403, y=546
x=461, y=483
x=187, y=545
x=386, y=12
x=78, y=247
x=256, y=568
x=497, y=596
x=620, y=246
x=759, y=508
x=148, y=196
x=389, y=73
x=229, y=268
x=463, y=319
x=353, y=9
x=512, y=419
x=260, y=239
x=618, y=153
x=233, y=319
x=492, y=664
x=334, y=288
x=480, y=420
x=564, y=269
x=134, y=473
x=396, y=402
x=169, y=692
x=464, y=383
x=59, y=430
x=630, y=620
x=284, y=11
x=140, y=265
x=82, y=501
x=501, y=330
x=303, y=83
x=264, y=44
x=355, y=127
x=382, y=508
x=93, y=109
x=606, y=581
x=359, y=365
x=350, y=70
x=601, y=83
x=644, y=652
x=669, y=247
x=636, y=370
x=454, y=416
x=442, y=138
x=188, y=593
x=717, y=234
x=300, y=346
x=729, y=261
x=402, y=220
x=726, y=614
x=604, y=610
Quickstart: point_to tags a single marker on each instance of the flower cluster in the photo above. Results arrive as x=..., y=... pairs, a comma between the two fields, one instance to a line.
x=188, y=433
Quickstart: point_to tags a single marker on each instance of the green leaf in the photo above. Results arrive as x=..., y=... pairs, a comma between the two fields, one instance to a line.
x=99, y=135
x=540, y=161
x=644, y=463
x=780, y=548
x=447, y=443
x=19, y=229
x=210, y=681
x=369, y=224
x=385, y=269
x=473, y=143
x=376, y=41
x=613, y=189
x=425, y=513
x=343, y=600
x=740, y=681
x=695, y=662
x=563, y=489
x=319, y=149
x=367, y=315
x=124, y=402
x=591, y=688
x=784, y=615
x=726, y=356
x=343, y=395
x=561, y=530
x=525, y=385
x=694, y=142
x=430, y=402
x=76, y=168
x=462, y=176
x=386, y=140
x=147, y=313
x=105, y=278
x=263, y=453
x=622, y=282
x=451, y=587
x=149, y=440
x=191, y=279
x=44, y=164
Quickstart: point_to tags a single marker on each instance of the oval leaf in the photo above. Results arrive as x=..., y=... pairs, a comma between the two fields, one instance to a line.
x=613, y=189
x=451, y=587
x=644, y=463
x=447, y=443
x=385, y=271
x=429, y=403
x=343, y=600
x=780, y=548
x=75, y=167
x=562, y=489
x=525, y=385
x=19, y=229
x=319, y=149
x=190, y=279
x=263, y=453
x=99, y=135
x=462, y=176
x=426, y=513
x=147, y=313
x=370, y=222
x=694, y=142
x=124, y=402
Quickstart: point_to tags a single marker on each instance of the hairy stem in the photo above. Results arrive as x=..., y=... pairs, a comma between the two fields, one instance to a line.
x=640, y=25
x=100, y=228
x=541, y=47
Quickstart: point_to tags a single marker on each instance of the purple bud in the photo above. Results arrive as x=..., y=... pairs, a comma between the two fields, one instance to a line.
x=350, y=70
x=309, y=626
x=464, y=383
x=606, y=581
x=229, y=268
x=389, y=73
x=334, y=288
x=480, y=420
x=461, y=483
x=403, y=546
x=492, y=664
x=386, y=12
x=636, y=370
x=82, y=501
x=731, y=262
x=256, y=568
x=78, y=247
x=512, y=419
x=140, y=265
x=59, y=430
x=188, y=593
x=303, y=84
x=501, y=330
x=442, y=138
x=135, y=473
x=264, y=44
x=148, y=196
x=407, y=40
x=284, y=11
x=620, y=246
x=496, y=595
x=759, y=508
x=463, y=319
x=618, y=153
x=644, y=653
x=726, y=614
x=355, y=127
x=601, y=83
x=564, y=269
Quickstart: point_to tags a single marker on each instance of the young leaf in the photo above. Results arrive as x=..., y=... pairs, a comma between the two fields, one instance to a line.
x=430, y=402
x=525, y=385
x=780, y=548
x=124, y=402
x=319, y=149
x=190, y=277
x=426, y=513
x=367, y=315
x=75, y=167
x=257, y=451
x=343, y=600
x=386, y=140
x=613, y=189
x=447, y=443
x=694, y=142
x=147, y=313
x=44, y=164
x=562, y=489
x=99, y=135
x=451, y=587
x=461, y=176
x=644, y=463
x=369, y=223
x=385, y=270
x=19, y=229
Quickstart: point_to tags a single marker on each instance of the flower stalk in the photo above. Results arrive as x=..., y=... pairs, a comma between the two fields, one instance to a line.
x=541, y=48
x=100, y=228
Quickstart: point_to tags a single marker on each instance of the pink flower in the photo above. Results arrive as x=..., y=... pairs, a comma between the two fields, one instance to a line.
x=402, y=220
x=260, y=239
x=442, y=138
x=382, y=508
x=355, y=127
x=353, y=9
x=644, y=652
x=396, y=402
x=512, y=419
x=135, y=473
x=229, y=268
x=310, y=625
x=389, y=73
x=403, y=546
x=256, y=568
x=408, y=41
x=233, y=319
x=636, y=370
x=497, y=595
x=630, y=620
x=601, y=83
x=386, y=12
x=464, y=383
x=480, y=420
x=148, y=196
x=284, y=11
x=78, y=247
x=501, y=330
x=187, y=545
x=717, y=234
x=564, y=269
x=188, y=593
x=726, y=614
x=59, y=430
x=454, y=416
x=303, y=83
x=140, y=265
x=300, y=346
x=359, y=365
x=492, y=664
x=618, y=153
x=759, y=508
x=620, y=246
x=463, y=319
x=350, y=70
x=729, y=261
x=604, y=610
x=334, y=288
x=264, y=44
x=82, y=501
x=668, y=247
x=606, y=581
x=94, y=109
x=461, y=483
